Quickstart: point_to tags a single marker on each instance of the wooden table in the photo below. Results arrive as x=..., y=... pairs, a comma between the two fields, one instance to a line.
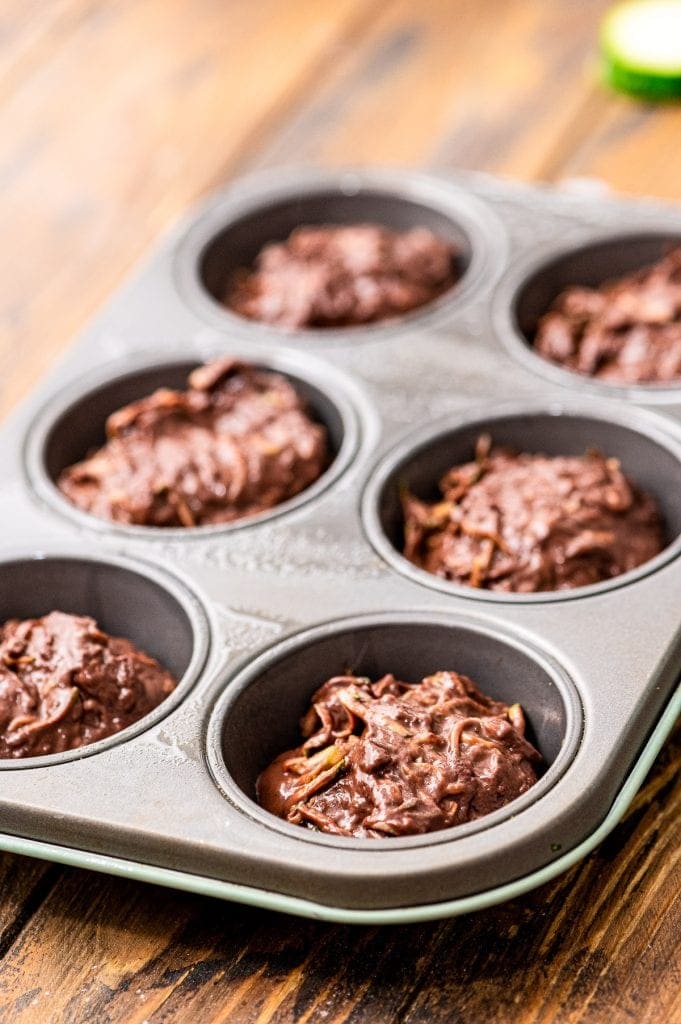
x=115, y=115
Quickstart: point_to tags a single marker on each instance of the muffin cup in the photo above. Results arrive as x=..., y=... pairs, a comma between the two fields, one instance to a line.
x=258, y=715
x=127, y=598
x=648, y=447
x=267, y=209
x=72, y=424
x=529, y=289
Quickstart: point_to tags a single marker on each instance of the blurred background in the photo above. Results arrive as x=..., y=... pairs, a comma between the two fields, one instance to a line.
x=117, y=114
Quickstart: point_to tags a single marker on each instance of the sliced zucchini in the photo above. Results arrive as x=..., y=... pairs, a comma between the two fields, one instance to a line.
x=641, y=48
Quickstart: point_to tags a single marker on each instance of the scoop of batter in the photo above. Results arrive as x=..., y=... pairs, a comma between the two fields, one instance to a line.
x=390, y=758
x=626, y=331
x=520, y=522
x=64, y=683
x=336, y=276
x=238, y=441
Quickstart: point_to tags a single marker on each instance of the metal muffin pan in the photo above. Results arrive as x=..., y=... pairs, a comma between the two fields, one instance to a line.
x=268, y=606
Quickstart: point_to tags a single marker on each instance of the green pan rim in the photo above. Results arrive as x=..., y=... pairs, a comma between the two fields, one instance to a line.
x=265, y=899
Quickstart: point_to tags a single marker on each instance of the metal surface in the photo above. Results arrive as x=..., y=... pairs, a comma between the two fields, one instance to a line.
x=283, y=595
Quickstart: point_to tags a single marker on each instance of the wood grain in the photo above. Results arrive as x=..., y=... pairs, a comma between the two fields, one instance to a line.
x=496, y=86
x=110, y=128
x=114, y=115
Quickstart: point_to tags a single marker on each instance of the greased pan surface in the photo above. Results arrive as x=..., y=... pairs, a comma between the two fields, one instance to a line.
x=258, y=613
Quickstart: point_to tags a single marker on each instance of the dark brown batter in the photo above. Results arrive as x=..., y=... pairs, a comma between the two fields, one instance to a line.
x=238, y=441
x=64, y=683
x=627, y=331
x=395, y=759
x=521, y=522
x=337, y=276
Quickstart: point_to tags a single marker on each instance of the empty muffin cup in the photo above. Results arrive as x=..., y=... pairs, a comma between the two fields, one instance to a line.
x=647, y=447
x=129, y=599
x=72, y=425
x=231, y=234
x=529, y=290
x=257, y=717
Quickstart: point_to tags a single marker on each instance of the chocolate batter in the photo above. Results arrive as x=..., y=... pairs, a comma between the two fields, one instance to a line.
x=340, y=275
x=389, y=758
x=627, y=331
x=238, y=441
x=64, y=684
x=521, y=522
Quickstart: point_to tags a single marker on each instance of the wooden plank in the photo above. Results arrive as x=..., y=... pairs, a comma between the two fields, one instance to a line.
x=137, y=109
x=23, y=886
x=29, y=32
x=634, y=146
x=494, y=86
x=511, y=86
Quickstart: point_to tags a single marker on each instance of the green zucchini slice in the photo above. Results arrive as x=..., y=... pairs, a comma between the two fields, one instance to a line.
x=641, y=48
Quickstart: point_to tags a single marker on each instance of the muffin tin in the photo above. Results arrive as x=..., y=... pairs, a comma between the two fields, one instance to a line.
x=254, y=615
